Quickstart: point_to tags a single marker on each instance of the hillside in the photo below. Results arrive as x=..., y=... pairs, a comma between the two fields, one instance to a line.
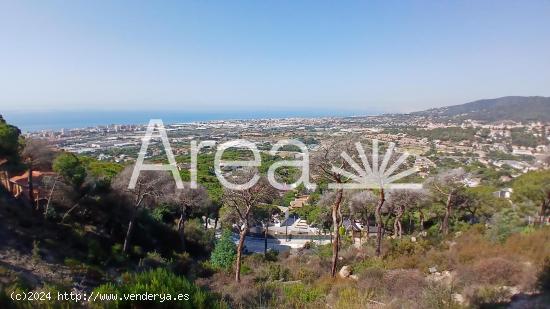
x=506, y=108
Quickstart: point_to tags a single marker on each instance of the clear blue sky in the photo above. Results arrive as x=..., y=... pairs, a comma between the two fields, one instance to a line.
x=269, y=55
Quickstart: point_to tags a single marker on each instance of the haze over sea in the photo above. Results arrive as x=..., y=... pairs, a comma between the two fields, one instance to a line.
x=55, y=120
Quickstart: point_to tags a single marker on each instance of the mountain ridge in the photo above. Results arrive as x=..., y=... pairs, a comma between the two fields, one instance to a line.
x=515, y=108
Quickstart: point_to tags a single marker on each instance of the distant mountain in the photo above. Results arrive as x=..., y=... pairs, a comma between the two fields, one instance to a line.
x=506, y=108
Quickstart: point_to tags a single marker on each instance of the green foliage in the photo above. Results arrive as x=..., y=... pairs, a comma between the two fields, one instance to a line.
x=199, y=241
x=324, y=251
x=162, y=213
x=287, y=198
x=70, y=168
x=505, y=223
x=271, y=255
x=116, y=254
x=532, y=188
x=36, y=252
x=277, y=272
x=453, y=134
x=101, y=169
x=158, y=281
x=522, y=137
x=299, y=295
x=9, y=140
x=225, y=252
x=342, y=231
x=314, y=214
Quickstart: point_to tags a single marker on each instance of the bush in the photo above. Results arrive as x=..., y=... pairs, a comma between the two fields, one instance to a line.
x=299, y=295
x=159, y=281
x=487, y=296
x=350, y=297
x=498, y=271
x=505, y=223
x=153, y=260
x=198, y=241
x=224, y=253
x=116, y=254
x=271, y=255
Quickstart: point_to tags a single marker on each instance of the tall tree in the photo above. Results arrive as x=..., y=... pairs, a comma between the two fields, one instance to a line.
x=189, y=201
x=401, y=201
x=9, y=140
x=36, y=154
x=445, y=188
x=362, y=205
x=534, y=187
x=69, y=166
x=240, y=205
x=326, y=157
x=151, y=187
x=75, y=181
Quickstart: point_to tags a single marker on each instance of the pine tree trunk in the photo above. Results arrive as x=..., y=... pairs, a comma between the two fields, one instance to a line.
x=129, y=233
x=379, y=224
x=543, y=208
x=397, y=227
x=242, y=237
x=181, y=230
x=445, y=224
x=421, y=221
x=335, y=224
x=31, y=188
x=265, y=238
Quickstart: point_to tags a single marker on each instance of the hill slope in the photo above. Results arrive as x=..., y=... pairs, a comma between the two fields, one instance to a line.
x=506, y=108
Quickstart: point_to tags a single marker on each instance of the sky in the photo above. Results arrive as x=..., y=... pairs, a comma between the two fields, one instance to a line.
x=269, y=56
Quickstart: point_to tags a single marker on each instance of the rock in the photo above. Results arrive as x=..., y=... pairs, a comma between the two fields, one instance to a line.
x=432, y=269
x=413, y=239
x=345, y=271
x=458, y=298
x=512, y=290
x=354, y=277
x=444, y=277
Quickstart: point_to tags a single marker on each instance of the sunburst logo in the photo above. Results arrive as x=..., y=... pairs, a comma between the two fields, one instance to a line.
x=374, y=174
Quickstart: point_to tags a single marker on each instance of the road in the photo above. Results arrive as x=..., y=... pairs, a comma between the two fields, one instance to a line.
x=255, y=244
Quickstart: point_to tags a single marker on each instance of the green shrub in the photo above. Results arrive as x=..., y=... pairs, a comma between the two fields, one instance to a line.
x=505, y=223
x=153, y=260
x=116, y=253
x=198, y=241
x=272, y=255
x=36, y=252
x=158, y=281
x=96, y=254
x=487, y=296
x=437, y=296
x=245, y=269
x=324, y=251
x=276, y=272
x=74, y=264
x=224, y=253
x=299, y=295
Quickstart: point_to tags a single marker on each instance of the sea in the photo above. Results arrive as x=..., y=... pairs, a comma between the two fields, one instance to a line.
x=35, y=121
